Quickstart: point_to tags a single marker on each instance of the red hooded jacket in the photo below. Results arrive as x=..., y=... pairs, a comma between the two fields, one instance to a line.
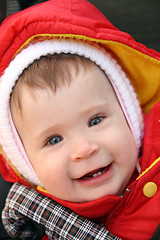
x=137, y=214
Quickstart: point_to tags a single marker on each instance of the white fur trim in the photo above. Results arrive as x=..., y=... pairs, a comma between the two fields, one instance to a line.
x=117, y=77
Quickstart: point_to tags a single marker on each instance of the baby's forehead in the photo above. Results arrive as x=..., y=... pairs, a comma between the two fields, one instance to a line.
x=51, y=72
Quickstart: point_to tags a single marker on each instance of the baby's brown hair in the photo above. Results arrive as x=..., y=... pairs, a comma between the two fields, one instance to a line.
x=48, y=72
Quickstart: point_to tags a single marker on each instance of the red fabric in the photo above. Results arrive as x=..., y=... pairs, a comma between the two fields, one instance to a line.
x=9, y=174
x=62, y=17
x=67, y=17
x=151, y=149
x=134, y=216
x=45, y=238
x=92, y=210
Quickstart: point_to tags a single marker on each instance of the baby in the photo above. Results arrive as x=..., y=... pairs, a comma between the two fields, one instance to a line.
x=71, y=126
x=76, y=124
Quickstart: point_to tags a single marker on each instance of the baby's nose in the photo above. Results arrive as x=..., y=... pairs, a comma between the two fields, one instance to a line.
x=83, y=149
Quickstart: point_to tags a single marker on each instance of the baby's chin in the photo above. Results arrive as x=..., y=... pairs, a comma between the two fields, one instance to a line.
x=94, y=197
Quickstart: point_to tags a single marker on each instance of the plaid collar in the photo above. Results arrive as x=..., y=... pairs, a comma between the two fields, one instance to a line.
x=30, y=215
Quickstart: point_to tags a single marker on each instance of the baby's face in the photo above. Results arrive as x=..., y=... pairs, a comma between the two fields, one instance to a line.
x=77, y=139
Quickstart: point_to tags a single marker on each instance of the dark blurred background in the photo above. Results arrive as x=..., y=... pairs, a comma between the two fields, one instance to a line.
x=140, y=18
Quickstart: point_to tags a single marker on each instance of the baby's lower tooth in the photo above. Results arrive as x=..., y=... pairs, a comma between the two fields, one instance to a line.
x=97, y=174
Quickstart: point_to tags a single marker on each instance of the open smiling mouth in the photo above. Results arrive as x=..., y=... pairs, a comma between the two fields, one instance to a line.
x=95, y=174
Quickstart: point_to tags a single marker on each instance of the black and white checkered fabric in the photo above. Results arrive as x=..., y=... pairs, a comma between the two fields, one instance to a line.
x=26, y=211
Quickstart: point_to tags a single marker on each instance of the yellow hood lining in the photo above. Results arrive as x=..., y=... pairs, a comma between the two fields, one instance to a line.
x=142, y=69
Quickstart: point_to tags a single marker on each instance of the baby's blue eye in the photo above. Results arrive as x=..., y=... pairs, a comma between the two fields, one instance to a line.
x=95, y=121
x=55, y=140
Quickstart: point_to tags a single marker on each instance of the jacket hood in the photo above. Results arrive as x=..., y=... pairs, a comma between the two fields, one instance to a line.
x=80, y=20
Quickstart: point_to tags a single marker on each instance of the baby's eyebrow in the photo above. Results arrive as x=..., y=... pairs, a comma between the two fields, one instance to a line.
x=100, y=106
x=48, y=131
